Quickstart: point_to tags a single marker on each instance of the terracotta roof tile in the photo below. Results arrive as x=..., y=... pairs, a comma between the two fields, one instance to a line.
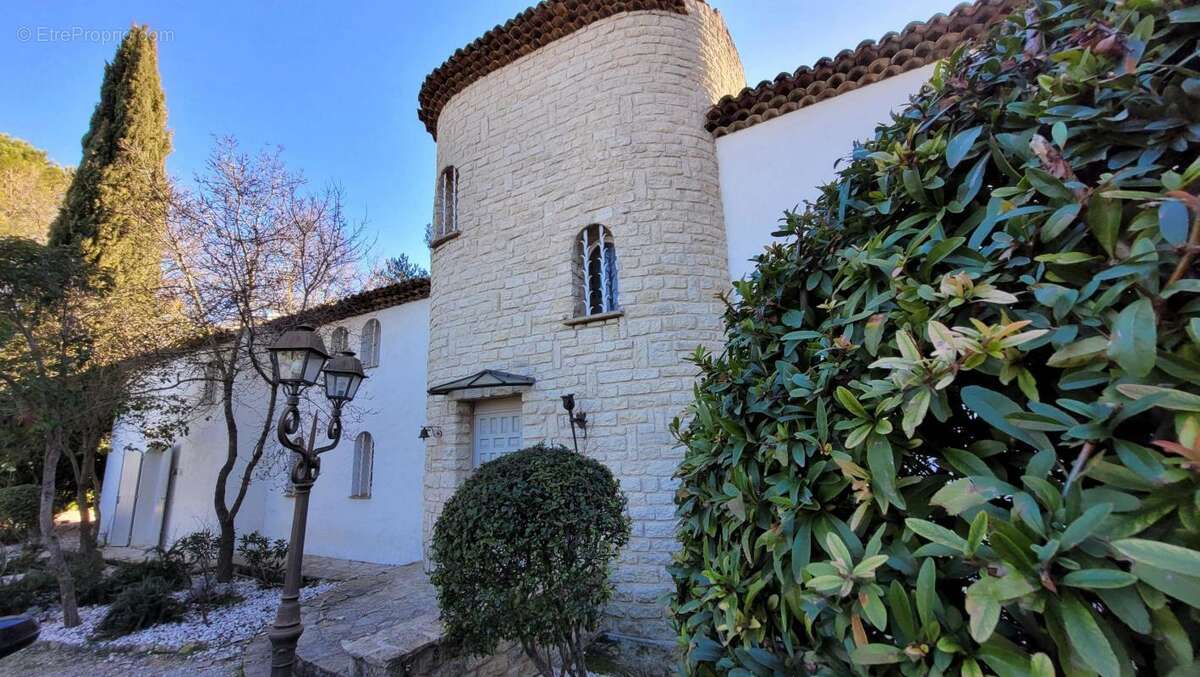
x=362, y=303
x=920, y=43
x=349, y=306
x=532, y=29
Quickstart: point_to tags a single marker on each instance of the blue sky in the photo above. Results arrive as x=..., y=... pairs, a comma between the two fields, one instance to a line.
x=334, y=83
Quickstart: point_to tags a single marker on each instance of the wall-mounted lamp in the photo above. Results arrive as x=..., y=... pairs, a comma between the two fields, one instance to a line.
x=428, y=431
x=577, y=420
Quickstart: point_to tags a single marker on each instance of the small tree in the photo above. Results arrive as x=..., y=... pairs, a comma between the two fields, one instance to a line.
x=199, y=550
x=396, y=269
x=246, y=247
x=521, y=553
x=44, y=348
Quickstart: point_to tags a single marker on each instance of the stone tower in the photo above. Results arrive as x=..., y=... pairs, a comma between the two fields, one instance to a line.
x=576, y=114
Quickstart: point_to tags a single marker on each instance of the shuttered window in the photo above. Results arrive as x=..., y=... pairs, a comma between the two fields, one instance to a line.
x=364, y=462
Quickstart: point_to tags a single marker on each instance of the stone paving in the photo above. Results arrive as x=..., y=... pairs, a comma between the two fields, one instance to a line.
x=371, y=598
x=357, y=610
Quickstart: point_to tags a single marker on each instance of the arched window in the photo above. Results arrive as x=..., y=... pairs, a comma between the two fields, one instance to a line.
x=445, y=209
x=364, y=462
x=596, y=272
x=339, y=340
x=369, y=344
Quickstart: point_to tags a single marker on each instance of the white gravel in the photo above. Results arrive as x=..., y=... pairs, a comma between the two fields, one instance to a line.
x=227, y=625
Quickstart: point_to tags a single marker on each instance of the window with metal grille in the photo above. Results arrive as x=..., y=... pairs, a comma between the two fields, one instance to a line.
x=596, y=271
x=445, y=209
x=369, y=344
x=339, y=340
x=364, y=462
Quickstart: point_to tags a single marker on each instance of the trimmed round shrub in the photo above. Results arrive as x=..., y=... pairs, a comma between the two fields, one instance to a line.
x=954, y=427
x=140, y=605
x=19, y=511
x=522, y=553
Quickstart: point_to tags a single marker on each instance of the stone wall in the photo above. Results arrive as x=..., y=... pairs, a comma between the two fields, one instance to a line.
x=603, y=126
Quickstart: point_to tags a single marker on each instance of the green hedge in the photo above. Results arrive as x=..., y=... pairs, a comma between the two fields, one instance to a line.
x=19, y=510
x=954, y=427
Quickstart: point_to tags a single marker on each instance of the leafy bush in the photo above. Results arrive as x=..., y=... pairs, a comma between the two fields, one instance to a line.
x=140, y=605
x=91, y=586
x=954, y=427
x=521, y=553
x=39, y=586
x=18, y=511
x=167, y=565
x=199, y=550
x=266, y=560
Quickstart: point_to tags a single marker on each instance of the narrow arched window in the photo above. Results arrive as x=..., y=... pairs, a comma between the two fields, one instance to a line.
x=339, y=340
x=596, y=271
x=369, y=344
x=445, y=211
x=364, y=462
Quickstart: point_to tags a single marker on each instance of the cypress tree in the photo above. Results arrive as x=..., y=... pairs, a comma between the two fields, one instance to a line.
x=114, y=217
x=115, y=208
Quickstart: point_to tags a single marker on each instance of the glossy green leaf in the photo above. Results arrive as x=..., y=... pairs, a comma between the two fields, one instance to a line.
x=1084, y=526
x=1104, y=220
x=935, y=533
x=960, y=145
x=1167, y=398
x=1096, y=579
x=876, y=654
x=1087, y=639
x=1161, y=555
x=1173, y=221
x=1134, y=340
x=1041, y=666
x=1059, y=221
x=993, y=407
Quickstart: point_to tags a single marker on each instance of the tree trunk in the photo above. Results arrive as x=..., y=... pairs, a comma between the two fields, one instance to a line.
x=225, y=517
x=87, y=541
x=58, y=563
x=83, y=470
x=89, y=471
x=225, y=547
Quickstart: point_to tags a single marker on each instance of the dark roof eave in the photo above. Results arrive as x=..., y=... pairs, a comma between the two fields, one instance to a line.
x=472, y=382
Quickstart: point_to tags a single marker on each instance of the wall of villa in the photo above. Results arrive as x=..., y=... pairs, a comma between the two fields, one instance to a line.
x=605, y=125
x=779, y=164
x=390, y=405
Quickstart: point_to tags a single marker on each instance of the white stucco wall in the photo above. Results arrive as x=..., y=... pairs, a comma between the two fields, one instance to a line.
x=779, y=164
x=384, y=528
x=390, y=405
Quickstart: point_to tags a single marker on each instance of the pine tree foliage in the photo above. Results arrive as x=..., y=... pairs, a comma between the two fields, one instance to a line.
x=955, y=429
x=115, y=210
x=31, y=189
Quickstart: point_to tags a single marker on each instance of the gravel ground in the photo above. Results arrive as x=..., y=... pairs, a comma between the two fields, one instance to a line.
x=220, y=638
x=56, y=660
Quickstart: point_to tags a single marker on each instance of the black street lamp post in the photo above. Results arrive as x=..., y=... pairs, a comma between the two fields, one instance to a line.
x=298, y=358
